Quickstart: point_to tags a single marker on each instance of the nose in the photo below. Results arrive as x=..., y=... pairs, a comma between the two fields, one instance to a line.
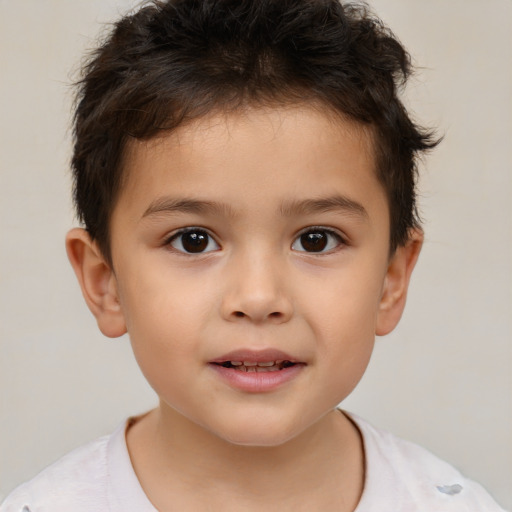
x=255, y=290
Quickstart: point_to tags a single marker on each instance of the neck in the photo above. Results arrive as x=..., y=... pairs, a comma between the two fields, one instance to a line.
x=174, y=457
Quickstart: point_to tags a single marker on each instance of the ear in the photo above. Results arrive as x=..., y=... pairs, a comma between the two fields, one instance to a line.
x=396, y=283
x=97, y=281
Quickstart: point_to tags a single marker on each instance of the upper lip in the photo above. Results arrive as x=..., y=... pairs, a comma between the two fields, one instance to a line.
x=255, y=356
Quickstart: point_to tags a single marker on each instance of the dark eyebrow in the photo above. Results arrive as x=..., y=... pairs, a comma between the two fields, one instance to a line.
x=324, y=204
x=172, y=205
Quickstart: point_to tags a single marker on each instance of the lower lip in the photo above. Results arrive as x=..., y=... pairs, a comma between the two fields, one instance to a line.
x=257, y=382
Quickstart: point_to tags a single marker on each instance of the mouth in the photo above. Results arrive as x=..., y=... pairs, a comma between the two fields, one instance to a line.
x=254, y=371
x=259, y=367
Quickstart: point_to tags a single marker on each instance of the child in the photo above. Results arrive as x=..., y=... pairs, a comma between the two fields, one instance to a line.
x=246, y=176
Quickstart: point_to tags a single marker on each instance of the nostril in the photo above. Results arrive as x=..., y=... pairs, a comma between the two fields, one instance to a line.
x=275, y=314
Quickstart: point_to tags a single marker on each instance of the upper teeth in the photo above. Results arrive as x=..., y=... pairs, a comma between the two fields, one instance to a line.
x=254, y=363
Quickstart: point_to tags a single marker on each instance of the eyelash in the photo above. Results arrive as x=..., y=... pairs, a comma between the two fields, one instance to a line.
x=205, y=236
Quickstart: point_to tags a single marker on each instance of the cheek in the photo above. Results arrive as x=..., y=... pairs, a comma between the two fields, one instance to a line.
x=346, y=345
x=344, y=305
x=165, y=341
x=165, y=316
x=157, y=294
x=342, y=314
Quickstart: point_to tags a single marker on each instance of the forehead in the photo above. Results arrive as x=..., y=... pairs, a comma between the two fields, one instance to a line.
x=254, y=155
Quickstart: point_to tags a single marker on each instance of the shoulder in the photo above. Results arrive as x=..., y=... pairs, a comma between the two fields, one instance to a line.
x=403, y=476
x=75, y=482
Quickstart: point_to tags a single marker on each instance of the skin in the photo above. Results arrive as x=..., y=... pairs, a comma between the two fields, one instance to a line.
x=256, y=286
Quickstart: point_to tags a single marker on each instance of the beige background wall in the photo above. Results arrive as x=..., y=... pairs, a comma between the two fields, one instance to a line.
x=443, y=379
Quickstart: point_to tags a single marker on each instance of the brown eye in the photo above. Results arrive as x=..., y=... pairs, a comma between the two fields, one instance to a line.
x=319, y=240
x=313, y=242
x=193, y=242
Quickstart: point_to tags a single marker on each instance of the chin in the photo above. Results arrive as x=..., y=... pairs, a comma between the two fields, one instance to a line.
x=259, y=432
x=259, y=439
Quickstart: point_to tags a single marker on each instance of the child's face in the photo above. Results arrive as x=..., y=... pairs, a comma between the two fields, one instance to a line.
x=255, y=237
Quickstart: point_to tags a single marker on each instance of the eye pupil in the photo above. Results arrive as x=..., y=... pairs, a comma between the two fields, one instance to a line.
x=314, y=242
x=194, y=241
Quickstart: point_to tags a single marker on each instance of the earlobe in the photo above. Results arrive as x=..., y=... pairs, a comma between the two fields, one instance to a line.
x=396, y=283
x=97, y=281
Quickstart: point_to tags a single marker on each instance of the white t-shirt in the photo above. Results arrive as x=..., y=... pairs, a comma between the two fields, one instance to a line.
x=400, y=477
